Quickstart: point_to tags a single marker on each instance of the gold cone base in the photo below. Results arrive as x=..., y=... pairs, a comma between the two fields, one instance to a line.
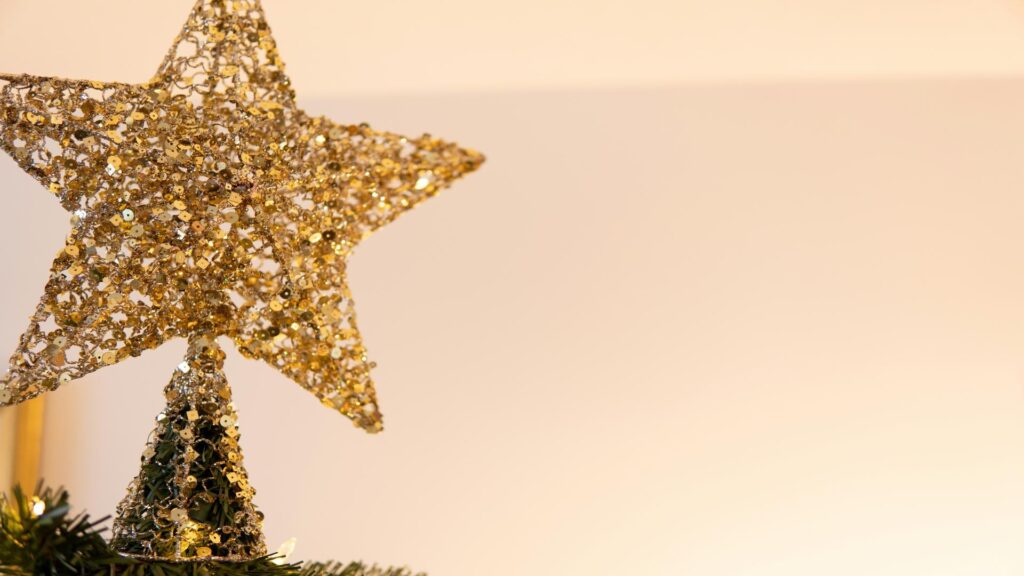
x=192, y=500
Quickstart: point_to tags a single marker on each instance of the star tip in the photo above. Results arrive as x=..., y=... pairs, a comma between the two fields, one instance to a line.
x=474, y=159
x=375, y=426
x=371, y=430
x=370, y=423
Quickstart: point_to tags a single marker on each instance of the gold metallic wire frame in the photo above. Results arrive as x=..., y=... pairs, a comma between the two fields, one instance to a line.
x=204, y=203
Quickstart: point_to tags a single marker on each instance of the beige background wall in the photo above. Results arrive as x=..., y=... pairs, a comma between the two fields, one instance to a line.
x=768, y=328
x=409, y=46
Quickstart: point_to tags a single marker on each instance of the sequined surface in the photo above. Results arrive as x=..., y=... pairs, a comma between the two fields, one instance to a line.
x=192, y=501
x=205, y=202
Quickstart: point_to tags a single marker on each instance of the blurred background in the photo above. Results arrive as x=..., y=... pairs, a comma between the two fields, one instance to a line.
x=740, y=290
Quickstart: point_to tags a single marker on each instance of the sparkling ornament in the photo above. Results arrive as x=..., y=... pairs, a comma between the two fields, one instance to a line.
x=177, y=508
x=204, y=203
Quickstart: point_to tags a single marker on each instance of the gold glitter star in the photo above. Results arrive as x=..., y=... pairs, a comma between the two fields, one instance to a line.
x=204, y=202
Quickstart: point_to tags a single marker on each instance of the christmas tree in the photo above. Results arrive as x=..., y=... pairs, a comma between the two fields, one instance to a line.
x=40, y=537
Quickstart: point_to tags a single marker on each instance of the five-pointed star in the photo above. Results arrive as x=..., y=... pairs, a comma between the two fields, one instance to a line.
x=205, y=202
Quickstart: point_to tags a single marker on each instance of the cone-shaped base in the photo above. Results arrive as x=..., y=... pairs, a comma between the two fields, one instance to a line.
x=192, y=500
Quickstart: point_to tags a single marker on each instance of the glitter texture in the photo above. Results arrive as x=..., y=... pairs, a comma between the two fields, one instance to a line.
x=177, y=507
x=205, y=202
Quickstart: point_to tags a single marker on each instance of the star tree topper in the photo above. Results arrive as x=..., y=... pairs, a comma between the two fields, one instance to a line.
x=205, y=203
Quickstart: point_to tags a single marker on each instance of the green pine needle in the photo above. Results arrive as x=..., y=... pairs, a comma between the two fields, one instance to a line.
x=39, y=537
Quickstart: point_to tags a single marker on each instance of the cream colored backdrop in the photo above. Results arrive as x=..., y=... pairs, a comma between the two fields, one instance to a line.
x=770, y=328
x=337, y=47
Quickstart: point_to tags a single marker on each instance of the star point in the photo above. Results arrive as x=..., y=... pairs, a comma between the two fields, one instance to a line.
x=205, y=202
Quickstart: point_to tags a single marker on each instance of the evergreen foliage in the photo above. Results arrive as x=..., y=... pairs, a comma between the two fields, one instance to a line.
x=40, y=537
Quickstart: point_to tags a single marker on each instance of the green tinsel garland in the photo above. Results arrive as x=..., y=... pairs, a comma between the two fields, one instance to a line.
x=39, y=537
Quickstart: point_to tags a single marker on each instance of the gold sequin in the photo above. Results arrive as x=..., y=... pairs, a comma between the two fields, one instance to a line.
x=197, y=200
x=424, y=181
